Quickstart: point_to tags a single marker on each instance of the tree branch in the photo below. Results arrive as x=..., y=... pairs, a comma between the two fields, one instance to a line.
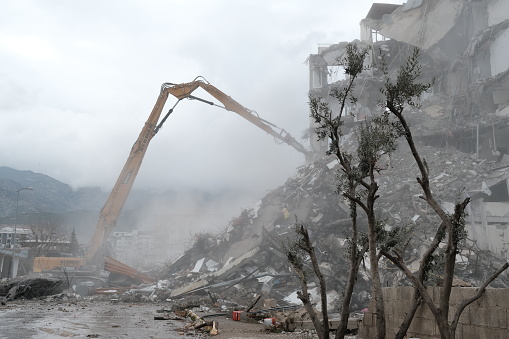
x=479, y=293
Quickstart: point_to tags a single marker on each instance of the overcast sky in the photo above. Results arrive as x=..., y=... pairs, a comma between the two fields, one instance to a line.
x=78, y=80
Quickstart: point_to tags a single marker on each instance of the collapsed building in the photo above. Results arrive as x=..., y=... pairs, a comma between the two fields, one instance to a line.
x=464, y=48
x=461, y=128
x=462, y=131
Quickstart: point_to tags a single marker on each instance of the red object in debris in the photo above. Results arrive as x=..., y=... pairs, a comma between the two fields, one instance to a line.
x=236, y=315
x=269, y=321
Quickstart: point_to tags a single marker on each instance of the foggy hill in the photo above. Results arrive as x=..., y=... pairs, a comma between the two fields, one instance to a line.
x=48, y=194
x=81, y=207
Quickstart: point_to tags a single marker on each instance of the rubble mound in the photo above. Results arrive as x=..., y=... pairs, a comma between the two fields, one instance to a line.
x=31, y=287
x=248, y=258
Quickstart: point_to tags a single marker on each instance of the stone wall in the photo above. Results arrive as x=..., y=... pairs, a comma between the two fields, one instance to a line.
x=486, y=318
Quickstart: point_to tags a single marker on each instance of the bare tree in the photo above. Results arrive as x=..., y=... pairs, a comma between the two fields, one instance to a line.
x=401, y=92
x=329, y=127
x=358, y=172
x=48, y=231
x=298, y=254
x=358, y=183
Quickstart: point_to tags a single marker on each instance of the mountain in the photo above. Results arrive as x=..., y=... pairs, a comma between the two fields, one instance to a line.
x=47, y=194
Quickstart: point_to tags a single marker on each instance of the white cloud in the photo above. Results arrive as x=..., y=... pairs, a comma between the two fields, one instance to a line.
x=79, y=79
x=28, y=47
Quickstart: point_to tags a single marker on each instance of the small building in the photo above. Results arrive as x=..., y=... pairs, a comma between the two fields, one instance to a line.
x=135, y=248
x=10, y=256
x=7, y=234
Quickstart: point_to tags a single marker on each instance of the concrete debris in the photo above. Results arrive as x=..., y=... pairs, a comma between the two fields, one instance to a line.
x=31, y=287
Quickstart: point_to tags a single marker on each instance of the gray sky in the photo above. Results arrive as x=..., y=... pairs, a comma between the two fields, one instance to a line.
x=78, y=80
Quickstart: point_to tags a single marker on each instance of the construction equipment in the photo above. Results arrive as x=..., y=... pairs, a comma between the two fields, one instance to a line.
x=118, y=196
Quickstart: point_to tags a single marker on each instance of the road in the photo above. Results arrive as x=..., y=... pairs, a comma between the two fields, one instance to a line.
x=101, y=319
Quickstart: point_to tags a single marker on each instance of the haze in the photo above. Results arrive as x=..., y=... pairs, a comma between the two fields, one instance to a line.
x=79, y=79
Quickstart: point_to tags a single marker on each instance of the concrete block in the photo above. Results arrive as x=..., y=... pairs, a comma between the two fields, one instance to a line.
x=395, y=310
x=366, y=332
x=390, y=331
x=390, y=293
x=386, y=292
x=354, y=323
x=465, y=315
x=459, y=330
x=405, y=293
x=487, y=317
x=495, y=297
x=500, y=97
x=493, y=317
x=500, y=333
x=424, y=312
x=434, y=292
x=458, y=294
x=482, y=332
x=422, y=326
x=423, y=336
x=269, y=303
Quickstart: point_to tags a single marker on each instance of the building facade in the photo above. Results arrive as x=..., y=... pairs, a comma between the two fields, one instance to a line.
x=464, y=46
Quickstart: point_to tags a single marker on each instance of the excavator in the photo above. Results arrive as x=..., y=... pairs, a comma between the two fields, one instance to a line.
x=110, y=212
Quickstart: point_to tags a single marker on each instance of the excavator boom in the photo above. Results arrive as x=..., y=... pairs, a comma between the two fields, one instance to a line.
x=120, y=192
x=111, y=210
x=184, y=91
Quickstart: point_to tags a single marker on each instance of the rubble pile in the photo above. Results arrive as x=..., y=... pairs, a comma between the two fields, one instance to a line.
x=31, y=287
x=452, y=174
x=247, y=265
x=248, y=259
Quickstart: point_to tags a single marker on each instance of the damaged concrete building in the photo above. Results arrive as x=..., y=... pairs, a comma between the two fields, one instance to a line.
x=464, y=47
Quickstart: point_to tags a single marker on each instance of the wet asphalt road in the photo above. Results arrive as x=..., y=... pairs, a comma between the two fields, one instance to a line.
x=101, y=319
x=83, y=320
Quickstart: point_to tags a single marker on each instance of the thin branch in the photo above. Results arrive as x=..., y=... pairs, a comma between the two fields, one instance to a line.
x=479, y=293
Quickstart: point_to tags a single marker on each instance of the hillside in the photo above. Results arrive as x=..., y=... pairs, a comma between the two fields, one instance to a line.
x=48, y=194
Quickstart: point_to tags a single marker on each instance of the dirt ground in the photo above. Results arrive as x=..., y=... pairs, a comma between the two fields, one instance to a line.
x=93, y=319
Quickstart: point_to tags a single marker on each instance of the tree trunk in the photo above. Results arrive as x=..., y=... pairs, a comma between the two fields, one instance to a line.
x=418, y=300
x=321, y=280
x=377, y=295
x=376, y=288
x=347, y=298
x=304, y=297
x=355, y=259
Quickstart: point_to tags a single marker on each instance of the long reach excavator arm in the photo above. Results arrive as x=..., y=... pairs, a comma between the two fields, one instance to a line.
x=118, y=196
